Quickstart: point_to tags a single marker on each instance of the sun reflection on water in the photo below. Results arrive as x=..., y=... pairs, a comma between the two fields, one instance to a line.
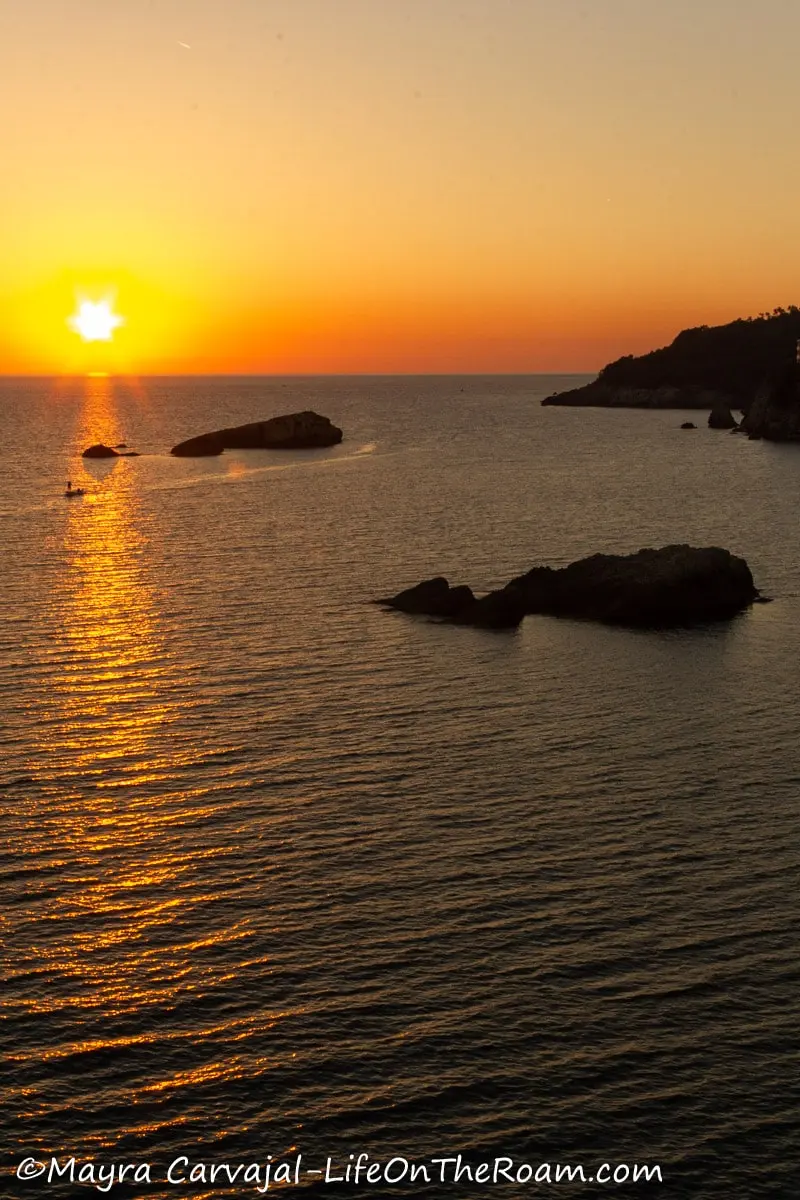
x=103, y=745
x=138, y=911
x=107, y=701
x=128, y=918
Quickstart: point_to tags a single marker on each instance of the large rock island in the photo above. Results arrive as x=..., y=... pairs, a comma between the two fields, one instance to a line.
x=295, y=431
x=672, y=586
x=721, y=365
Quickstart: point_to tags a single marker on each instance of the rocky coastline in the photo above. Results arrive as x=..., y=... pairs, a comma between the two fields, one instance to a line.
x=747, y=365
x=775, y=411
x=604, y=395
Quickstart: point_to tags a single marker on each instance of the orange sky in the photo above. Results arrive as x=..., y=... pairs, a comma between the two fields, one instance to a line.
x=421, y=185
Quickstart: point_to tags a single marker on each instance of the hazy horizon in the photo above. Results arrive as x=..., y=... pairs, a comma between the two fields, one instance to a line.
x=465, y=187
x=297, y=374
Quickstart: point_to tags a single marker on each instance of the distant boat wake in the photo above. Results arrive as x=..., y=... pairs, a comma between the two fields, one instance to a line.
x=240, y=472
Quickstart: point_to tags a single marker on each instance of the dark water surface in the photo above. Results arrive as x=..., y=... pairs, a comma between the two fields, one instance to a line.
x=283, y=873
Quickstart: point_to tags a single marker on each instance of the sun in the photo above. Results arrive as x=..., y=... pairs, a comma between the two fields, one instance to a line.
x=95, y=321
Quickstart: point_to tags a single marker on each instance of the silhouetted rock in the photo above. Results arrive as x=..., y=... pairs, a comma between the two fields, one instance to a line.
x=295, y=431
x=502, y=609
x=775, y=412
x=129, y=454
x=674, y=585
x=699, y=368
x=432, y=598
x=688, y=425
x=121, y=446
x=202, y=446
x=99, y=451
x=721, y=417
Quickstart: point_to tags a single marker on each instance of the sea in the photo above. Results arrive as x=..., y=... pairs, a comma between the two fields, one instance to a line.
x=290, y=881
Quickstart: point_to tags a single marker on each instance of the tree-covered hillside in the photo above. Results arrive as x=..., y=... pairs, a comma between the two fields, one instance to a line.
x=733, y=358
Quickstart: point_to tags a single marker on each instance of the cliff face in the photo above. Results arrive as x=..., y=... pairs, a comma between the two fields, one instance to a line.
x=775, y=412
x=701, y=367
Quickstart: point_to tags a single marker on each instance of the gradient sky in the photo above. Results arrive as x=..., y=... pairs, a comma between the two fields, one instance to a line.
x=393, y=185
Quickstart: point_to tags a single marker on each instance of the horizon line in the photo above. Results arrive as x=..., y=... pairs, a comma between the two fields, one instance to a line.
x=289, y=374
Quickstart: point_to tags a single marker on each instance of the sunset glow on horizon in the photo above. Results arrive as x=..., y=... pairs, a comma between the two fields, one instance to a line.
x=462, y=185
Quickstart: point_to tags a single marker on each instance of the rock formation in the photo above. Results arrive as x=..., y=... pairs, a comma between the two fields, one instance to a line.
x=433, y=598
x=676, y=585
x=603, y=395
x=721, y=417
x=295, y=431
x=688, y=425
x=699, y=368
x=99, y=451
x=775, y=412
x=502, y=609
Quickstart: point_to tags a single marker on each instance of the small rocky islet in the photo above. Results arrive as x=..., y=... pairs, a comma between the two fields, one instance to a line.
x=672, y=586
x=99, y=450
x=676, y=585
x=294, y=431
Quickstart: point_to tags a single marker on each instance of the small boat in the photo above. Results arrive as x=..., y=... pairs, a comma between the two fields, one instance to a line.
x=70, y=492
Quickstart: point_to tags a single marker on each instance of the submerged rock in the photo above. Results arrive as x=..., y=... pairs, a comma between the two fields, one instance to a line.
x=294, y=431
x=688, y=425
x=673, y=585
x=99, y=451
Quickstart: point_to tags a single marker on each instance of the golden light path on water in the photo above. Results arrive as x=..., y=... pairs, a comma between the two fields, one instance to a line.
x=127, y=833
x=109, y=698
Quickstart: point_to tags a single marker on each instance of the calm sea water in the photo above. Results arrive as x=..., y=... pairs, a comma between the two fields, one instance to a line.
x=284, y=873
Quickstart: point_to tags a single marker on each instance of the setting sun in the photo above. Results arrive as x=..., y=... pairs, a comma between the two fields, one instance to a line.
x=95, y=322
